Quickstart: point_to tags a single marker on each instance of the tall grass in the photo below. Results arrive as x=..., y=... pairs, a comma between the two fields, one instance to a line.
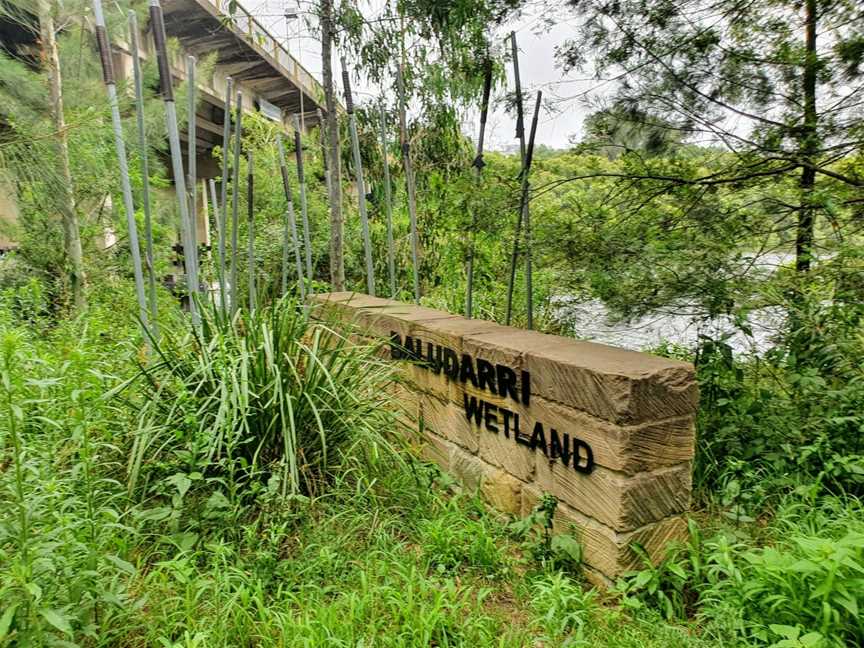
x=265, y=396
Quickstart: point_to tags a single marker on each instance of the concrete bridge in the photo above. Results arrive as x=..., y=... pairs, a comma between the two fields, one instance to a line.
x=271, y=80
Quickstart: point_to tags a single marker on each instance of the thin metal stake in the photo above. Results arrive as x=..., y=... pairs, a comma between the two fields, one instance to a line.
x=219, y=226
x=358, y=172
x=325, y=164
x=478, y=169
x=108, y=77
x=290, y=227
x=222, y=207
x=235, y=202
x=191, y=165
x=388, y=203
x=526, y=190
x=301, y=180
x=409, y=183
x=520, y=133
x=167, y=89
x=145, y=173
x=250, y=229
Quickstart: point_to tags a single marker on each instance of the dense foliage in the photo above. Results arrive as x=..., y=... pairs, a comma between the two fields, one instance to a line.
x=247, y=482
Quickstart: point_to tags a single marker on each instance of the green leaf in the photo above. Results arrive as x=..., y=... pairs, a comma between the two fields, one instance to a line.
x=6, y=619
x=789, y=632
x=127, y=567
x=57, y=619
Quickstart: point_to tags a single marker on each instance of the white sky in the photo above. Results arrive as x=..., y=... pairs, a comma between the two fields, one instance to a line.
x=561, y=115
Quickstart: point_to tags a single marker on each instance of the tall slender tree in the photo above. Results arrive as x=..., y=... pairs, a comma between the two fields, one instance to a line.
x=66, y=203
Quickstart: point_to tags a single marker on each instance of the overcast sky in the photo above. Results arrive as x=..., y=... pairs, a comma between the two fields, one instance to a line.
x=561, y=116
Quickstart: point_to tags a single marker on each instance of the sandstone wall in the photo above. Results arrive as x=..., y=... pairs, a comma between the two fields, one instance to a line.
x=607, y=431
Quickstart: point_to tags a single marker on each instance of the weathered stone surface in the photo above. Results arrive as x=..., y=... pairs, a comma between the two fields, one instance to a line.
x=628, y=449
x=503, y=453
x=604, y=550
x=634, y=411
x=443, y=418
x=501, y=490
x=618, y=501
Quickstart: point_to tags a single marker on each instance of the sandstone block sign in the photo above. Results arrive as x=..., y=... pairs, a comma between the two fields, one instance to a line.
x=515, y=414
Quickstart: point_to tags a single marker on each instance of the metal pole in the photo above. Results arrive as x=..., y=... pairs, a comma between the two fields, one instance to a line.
x=222, y=207
x=290, y=227
x=145, y=172
x=526, y=190
x=250, y=229
x=520, y=133
x=327, y=176
x=478, y=168
x=235, y=202
x=388, y=203
x=301, y=180
x=167, y=89
x=358, y=172
x=191, y=165
x=409, y=183
x=217, y=218
x=108, y=77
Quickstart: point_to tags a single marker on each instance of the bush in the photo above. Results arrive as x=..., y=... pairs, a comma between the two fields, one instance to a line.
x=267, y=400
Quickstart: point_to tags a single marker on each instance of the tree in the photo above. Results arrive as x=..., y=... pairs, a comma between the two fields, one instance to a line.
x=337, y=259
x=66, y=204
x=776, y=83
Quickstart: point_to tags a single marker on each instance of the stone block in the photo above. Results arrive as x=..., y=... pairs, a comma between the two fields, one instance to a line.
x=621, y=502
x=443, y=418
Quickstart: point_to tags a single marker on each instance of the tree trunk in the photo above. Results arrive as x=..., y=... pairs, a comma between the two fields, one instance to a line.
x=808, y=144
x=337, y=261
x=65, y=200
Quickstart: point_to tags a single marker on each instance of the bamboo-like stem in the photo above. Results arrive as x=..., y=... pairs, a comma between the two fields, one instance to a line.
x=235, y=202
x=304, y=212
x=290, y=227
x=358, y=173
x=214, y=200
x=250, y=229
x=520, y=133
x=145, y=171
x=192, y=162
x=222, y=207
x=157, y=22
x=120, y=146
x=409, y=183
x=526, y=192
x=388, y=203
x=478, y=169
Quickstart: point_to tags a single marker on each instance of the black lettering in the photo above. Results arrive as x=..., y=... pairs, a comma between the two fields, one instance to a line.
x=396, y=348
x=467, y=370
x=526, y=388
x=473, y=408
x=582, y=462
x=507, y=382
x=491, y=419
x=413, y=348
x=506, y=415
x=538, y=439
x=517, y=433
x=486, y=375
x=433, y=357
x=558, y=449
x=451, y=364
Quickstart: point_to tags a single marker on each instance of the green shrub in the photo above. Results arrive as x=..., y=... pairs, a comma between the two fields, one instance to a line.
x=267, y=400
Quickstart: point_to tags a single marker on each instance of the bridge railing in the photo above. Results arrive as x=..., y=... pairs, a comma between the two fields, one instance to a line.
x=246, y=25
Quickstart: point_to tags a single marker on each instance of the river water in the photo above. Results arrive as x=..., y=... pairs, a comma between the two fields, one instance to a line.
x=590, y=320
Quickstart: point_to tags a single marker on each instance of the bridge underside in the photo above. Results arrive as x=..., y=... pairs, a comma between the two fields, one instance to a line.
x=244, y=52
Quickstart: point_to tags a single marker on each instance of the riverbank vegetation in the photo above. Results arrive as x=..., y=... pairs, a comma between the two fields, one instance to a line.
x=251, y=482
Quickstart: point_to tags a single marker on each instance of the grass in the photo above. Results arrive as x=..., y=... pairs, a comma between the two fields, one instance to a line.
x=206, y=539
